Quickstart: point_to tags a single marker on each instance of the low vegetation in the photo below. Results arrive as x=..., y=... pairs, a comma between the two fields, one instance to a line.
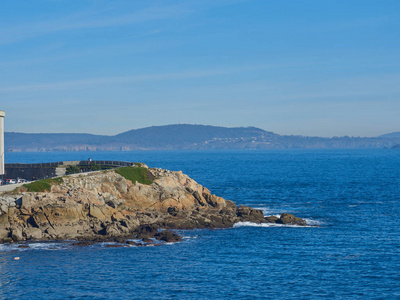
x=91, y=167
x=136, y=174
x=94, y=167
x=72, y=170
x=42, y=185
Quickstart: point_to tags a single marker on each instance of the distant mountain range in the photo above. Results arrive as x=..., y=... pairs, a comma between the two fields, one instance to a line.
x=187, y=137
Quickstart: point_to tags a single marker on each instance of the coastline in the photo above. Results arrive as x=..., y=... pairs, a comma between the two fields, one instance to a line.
x=118, y=205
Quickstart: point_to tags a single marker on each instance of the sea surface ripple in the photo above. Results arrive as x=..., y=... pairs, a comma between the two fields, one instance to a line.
x=353, y=195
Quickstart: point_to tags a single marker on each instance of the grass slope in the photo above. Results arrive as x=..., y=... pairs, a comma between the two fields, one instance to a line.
x=135, y=174
x=42, y=185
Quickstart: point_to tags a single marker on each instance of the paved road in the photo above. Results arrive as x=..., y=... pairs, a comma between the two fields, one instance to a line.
x=9, y=187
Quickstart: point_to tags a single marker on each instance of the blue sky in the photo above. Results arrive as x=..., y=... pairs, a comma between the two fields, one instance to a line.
x=319, y=68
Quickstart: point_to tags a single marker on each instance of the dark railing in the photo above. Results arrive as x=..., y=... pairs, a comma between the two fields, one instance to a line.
x=105, y=163
x=79, y=163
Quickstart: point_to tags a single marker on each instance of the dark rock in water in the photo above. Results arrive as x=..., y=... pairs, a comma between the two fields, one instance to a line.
x=271, y=219
x=290, y=219
x=84, y=243
x=120, y=240
x=248, y=214
x=23, y=246
x=146, y=231
x=147, y=240
x=168, y=236
x=132, y=243
x=115, y=246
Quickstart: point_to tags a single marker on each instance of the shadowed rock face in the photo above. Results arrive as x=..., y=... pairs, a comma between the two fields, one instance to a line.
x=104, y=204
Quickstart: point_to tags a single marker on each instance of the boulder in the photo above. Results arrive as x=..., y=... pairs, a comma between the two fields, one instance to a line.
x=16, y=233
x=32, y=233
x=248, y=214
x=290, y=219
x=168, y=236
x=146, y=231
x=96, y=212
x=271, y=219
x=4, y=234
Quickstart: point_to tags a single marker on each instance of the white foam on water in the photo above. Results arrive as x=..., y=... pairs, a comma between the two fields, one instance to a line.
x=273, y=213
x=32, y=246
x=103, y=244
x=47, y=246
x=188, y=237
x=135, y=240
x=267, y=211
x=8, y=248
x=251, y=224
x=313, y=222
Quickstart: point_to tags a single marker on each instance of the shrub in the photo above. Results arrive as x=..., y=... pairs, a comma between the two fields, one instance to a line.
x=73, y=170
x=94, y=167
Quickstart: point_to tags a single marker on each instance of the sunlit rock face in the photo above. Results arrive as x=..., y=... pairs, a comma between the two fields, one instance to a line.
x=105, y=204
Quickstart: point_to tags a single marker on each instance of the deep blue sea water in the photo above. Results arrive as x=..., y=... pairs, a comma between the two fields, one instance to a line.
x=353, y=195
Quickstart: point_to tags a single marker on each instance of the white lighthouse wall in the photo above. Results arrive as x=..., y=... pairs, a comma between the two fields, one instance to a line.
x=1, y=143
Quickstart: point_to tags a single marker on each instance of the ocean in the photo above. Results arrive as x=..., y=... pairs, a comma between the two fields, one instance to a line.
x=354, y=253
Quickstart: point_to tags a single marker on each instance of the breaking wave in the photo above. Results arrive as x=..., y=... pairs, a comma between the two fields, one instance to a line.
x=251, y=224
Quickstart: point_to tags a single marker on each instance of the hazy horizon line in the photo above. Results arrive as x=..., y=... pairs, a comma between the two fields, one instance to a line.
x=204, y=125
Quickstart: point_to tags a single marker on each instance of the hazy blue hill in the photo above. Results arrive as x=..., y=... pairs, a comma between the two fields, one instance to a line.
x=189, y=137
x=391, y=135
x=185, y=135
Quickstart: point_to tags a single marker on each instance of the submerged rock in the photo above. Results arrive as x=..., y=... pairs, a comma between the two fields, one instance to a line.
x=132, y=243
x=83, y=243
x=147, y=240
x=115, y=246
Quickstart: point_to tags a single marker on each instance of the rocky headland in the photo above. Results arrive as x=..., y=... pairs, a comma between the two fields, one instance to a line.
x=118, y=205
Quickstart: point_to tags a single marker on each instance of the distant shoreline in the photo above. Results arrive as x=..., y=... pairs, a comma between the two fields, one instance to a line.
x=187, y=137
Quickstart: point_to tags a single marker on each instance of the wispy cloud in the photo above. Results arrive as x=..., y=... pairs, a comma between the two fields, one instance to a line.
x=137, y=78
x=82, y=21
x=108, y=80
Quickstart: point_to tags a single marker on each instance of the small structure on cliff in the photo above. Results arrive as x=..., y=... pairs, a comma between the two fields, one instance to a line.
x=2, y=115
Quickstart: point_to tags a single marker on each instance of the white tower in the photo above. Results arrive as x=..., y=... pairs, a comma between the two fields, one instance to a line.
x=2, y=115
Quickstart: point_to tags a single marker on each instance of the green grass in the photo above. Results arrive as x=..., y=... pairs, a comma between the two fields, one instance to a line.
x=42, y=185
x=135, y=174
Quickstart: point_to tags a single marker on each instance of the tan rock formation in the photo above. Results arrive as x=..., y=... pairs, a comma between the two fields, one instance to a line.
x=105, y=204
